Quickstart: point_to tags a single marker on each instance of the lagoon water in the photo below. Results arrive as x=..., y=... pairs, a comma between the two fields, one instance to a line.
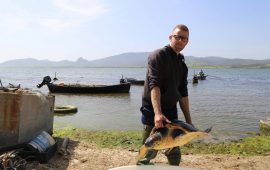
x=231, y=100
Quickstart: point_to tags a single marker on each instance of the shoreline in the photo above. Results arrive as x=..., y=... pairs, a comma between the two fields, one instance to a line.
x=83, y=155
x=255, y=145
x=103, y=150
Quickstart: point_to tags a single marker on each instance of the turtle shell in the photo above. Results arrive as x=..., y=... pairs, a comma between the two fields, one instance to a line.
x=171, y=135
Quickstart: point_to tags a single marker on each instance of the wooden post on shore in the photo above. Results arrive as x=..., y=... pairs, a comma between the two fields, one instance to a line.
x=63, y=149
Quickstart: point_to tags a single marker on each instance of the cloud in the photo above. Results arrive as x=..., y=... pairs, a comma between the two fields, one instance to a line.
x=57, y=25
x=70, y=14
x=16, y=23
x=13, y=18
x=88, y=8
x=51, y=15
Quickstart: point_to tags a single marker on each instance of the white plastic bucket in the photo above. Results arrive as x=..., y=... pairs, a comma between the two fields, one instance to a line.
x=42, y=142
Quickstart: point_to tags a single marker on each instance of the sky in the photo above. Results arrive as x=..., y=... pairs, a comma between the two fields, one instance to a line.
x=69, y=29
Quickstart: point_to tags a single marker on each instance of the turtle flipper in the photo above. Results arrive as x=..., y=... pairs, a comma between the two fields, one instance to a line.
x=142, y=153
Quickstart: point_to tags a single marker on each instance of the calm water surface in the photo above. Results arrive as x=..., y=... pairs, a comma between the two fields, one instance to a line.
x=231, y=100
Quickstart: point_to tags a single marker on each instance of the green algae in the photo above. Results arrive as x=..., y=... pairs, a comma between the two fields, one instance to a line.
x=249, y=146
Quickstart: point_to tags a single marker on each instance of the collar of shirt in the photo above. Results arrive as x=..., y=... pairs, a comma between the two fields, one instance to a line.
x=173, y=53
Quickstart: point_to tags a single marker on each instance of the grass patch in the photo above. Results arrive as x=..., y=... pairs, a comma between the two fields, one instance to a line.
x=256, y=145
x=250, y=146
x=103, y=139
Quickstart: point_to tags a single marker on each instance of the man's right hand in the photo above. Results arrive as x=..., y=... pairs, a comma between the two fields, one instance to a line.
x=159, y=119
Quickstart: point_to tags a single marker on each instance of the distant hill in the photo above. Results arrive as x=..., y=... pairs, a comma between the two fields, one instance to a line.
x=225, y=62
x=138, y=59
x=122, y=60
x=31, y=62
x=219, y=61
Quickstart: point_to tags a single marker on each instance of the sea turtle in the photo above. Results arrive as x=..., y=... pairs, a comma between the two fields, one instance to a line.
x=173, y=134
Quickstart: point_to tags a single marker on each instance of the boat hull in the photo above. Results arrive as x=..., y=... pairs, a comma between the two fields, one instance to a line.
x=118, y=88
x=135, y=81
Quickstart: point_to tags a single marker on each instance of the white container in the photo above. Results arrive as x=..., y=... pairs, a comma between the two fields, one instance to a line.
x=42, y=142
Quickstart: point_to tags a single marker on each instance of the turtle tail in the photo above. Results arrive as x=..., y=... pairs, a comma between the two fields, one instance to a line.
x=208, y=130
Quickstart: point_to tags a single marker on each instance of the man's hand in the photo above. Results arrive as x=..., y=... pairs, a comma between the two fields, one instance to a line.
x=159, y=119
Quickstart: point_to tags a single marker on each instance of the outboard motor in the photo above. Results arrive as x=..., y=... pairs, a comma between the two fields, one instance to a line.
x=122, y=80
x=46, y=80
x=55, y=78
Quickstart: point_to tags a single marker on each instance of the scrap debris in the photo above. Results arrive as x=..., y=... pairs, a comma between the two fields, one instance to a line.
x=11, y=160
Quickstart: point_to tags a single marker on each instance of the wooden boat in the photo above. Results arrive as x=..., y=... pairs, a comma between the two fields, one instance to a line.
x=195, y=79
x=134, y=81
x=201, y=75
x=80, y=88
x=84, y=88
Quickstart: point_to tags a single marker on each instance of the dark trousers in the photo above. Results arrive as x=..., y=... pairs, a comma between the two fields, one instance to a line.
x=173, y=155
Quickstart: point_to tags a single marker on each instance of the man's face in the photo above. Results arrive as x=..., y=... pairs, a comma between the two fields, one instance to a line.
x=178, y=40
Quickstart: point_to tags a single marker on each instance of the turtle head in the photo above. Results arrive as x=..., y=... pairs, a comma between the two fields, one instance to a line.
x=152, y=140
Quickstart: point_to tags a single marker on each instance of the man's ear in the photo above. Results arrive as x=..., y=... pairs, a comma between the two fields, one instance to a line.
x=170, y=37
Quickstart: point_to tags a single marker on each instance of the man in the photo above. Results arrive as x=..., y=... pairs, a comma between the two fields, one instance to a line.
x=165, y=85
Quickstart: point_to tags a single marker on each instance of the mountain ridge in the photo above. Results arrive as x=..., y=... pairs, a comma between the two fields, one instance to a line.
x=138, y=59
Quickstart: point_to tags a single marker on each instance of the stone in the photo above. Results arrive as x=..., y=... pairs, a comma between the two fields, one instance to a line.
x=265, y=127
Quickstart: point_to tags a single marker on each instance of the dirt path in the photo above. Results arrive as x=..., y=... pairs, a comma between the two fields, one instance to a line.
x=87, y=157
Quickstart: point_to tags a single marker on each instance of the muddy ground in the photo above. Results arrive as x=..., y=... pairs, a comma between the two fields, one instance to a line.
x=86, y=156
